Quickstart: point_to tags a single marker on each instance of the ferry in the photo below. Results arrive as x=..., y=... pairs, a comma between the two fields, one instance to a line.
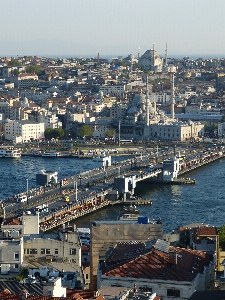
x=100, y=158
x=51, y=154
x=130, y=213
x=10, y=153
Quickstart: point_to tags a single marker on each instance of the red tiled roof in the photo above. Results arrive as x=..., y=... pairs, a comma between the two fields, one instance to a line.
x=207, y=231
x=159, y=265
x=12, y=221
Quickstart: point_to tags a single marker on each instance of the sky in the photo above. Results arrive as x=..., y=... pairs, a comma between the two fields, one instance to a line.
x=74, y=28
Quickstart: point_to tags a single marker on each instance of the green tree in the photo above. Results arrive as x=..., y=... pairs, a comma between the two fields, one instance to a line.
x=16, y=72
x=85, y=130
x=34, y=69
x=14, y=63
x=56, y=133
x=110, y=133
x=221, y=231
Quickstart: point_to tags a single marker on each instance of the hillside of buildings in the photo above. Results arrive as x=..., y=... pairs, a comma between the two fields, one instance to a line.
x=144, y=98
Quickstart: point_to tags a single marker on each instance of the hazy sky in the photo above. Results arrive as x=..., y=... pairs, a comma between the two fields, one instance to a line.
x=112, y=27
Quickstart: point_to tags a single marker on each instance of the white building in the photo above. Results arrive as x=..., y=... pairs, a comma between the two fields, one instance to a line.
x=52, y=121
x=25, y=80
x=221, y=130
x=24, y=129
x=113, y=90
x=176, y=131
x=163, y=98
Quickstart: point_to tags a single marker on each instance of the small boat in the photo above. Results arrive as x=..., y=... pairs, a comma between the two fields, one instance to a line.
x=51, y=154
x=100, y=158
x=129, y=213
x=10, y=153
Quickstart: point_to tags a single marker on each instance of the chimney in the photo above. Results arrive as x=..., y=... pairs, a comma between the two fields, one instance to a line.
x=173, y=256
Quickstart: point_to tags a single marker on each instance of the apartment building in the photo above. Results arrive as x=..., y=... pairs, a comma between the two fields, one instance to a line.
x=23, y=129
x=25, y=80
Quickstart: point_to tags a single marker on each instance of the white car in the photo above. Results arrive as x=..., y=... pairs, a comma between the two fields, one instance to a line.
x=22, y=199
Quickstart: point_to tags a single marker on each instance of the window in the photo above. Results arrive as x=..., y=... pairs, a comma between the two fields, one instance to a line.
x=56, y=251
x=48, y=251
x=86, y=276
x=16, y=255
x=145, y=289
x=16, y=266
x=42, y=251
x=33, y=251
x=173, y=293
x=72, y=251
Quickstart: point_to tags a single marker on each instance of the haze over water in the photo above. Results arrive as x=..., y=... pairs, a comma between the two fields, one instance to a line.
x=176, y=205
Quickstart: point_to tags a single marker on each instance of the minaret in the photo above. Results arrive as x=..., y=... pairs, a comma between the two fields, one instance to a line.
x=172, y=96
x=147, y=102
x=166, y=55
x=131, y=63
x=153, y=57
x=139, y=53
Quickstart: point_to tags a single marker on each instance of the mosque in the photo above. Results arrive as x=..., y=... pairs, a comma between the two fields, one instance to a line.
x=143, y=120
x=151, y=60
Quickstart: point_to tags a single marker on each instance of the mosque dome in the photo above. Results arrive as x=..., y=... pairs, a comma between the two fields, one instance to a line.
x=152, y=110
x=133, y=110
x=139, y=99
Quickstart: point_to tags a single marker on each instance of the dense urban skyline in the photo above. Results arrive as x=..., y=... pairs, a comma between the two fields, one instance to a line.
x=113, y=27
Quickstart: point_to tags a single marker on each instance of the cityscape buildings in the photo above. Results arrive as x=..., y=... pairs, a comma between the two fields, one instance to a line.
x=148, y=98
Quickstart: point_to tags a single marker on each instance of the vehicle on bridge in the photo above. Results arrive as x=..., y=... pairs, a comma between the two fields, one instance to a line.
x=66, y=198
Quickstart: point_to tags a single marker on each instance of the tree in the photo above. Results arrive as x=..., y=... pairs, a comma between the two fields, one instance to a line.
x=110, y=133
x=14, y=63
x=85, y=130
x=221, y=231
x=223, y=119
x=56, y=133
x=34, y=69
x=16, y=72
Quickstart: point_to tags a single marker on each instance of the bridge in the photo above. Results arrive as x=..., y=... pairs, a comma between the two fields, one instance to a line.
x=122, y=177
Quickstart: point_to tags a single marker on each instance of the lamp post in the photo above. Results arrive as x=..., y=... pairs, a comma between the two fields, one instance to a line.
x=27, y=191
x=119, y=134
x=75, y=187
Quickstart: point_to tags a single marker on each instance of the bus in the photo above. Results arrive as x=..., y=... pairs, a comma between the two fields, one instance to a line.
x=126, y=141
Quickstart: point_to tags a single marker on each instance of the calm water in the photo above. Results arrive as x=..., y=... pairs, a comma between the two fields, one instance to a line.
x=175, y=204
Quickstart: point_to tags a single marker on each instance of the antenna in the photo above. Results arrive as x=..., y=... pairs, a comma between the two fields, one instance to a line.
x=139, y=53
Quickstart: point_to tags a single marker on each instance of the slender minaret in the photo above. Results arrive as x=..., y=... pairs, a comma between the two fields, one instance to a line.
x=172, y=96
x=131, y=63
x=166, y=55
x=139, y=53
x=147, y=102
x=153, y=57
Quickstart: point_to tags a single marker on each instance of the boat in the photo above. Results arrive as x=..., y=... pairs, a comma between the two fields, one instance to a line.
x=100, y=158
x=51, y=154
x=129, y=213
x=10, y=153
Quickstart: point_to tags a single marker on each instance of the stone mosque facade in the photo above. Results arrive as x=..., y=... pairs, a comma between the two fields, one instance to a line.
x=151, y=60
x=142, y=120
